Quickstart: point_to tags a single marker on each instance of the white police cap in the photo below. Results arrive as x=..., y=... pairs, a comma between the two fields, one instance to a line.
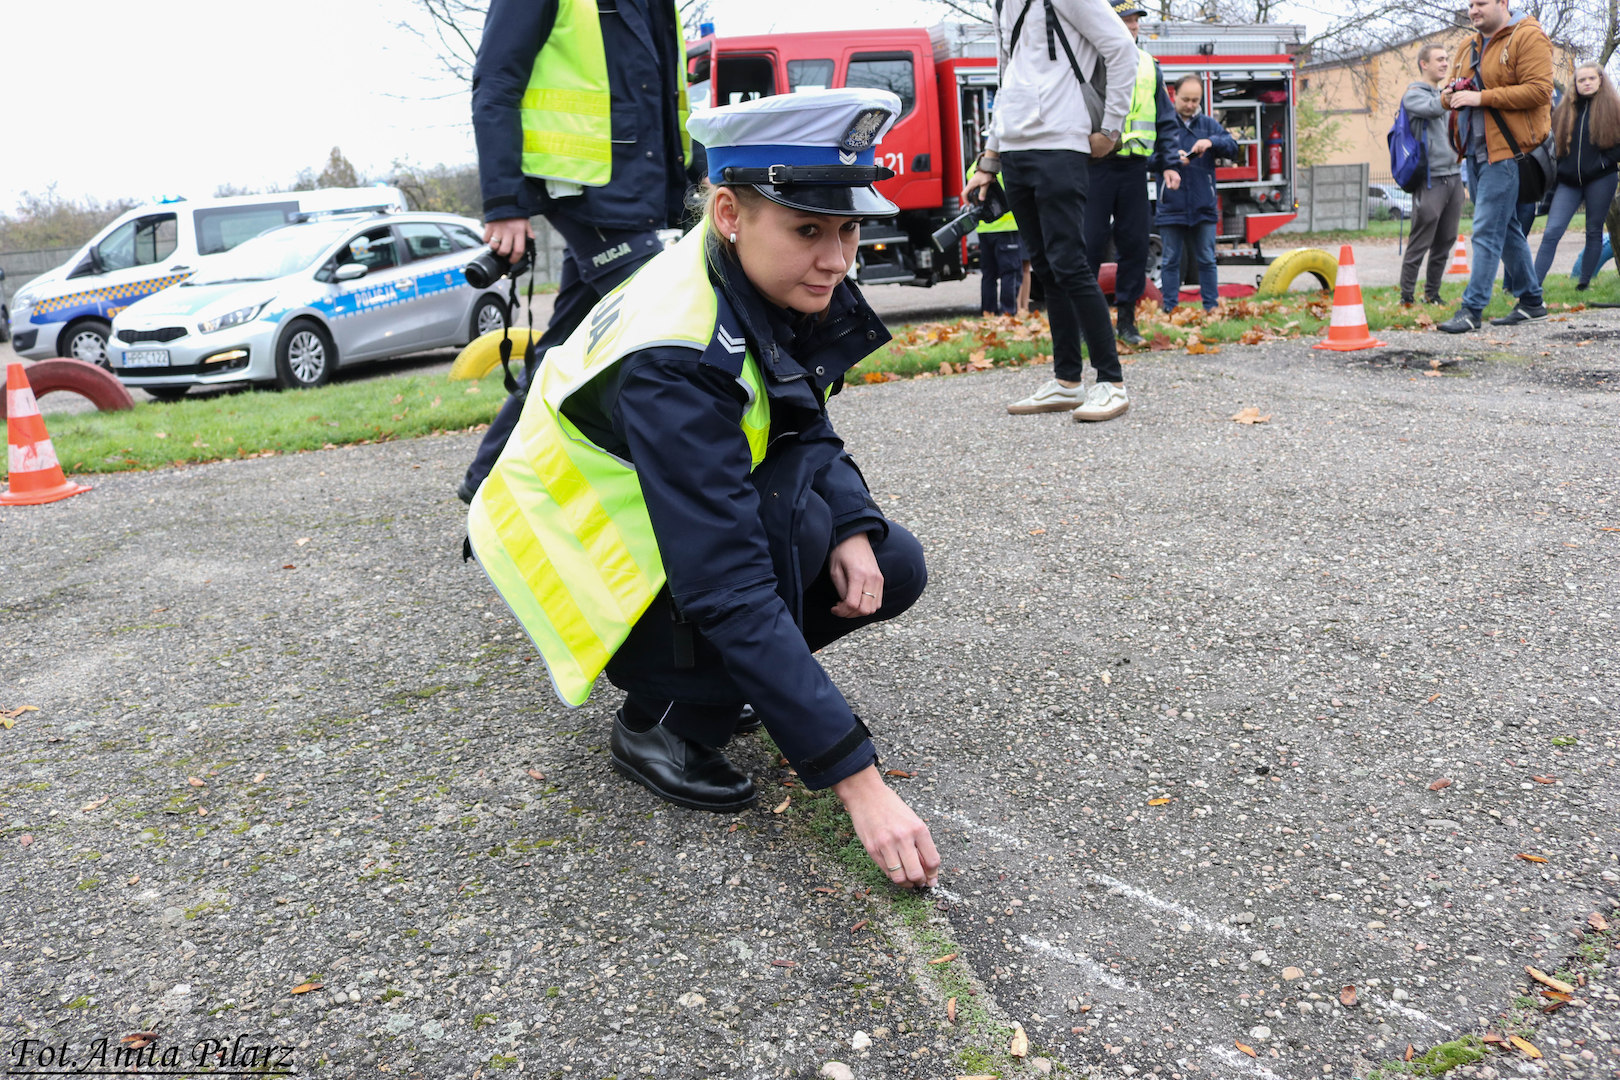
x=813, y=150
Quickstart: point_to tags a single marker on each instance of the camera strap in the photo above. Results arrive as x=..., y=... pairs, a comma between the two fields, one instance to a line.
x=506, y=339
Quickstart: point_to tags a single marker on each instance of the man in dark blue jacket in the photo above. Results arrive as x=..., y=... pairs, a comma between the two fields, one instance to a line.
x=1188, y=213
x=607, y=192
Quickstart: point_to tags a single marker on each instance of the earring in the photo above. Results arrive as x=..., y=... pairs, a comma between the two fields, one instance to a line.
x=733, y=238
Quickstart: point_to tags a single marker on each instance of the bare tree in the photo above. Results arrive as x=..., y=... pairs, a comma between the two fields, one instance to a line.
x=452, y=29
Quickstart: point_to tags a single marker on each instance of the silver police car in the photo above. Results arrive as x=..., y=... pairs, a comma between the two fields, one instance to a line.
x=293, y=304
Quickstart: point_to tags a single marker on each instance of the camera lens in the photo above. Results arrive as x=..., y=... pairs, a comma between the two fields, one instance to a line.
x=485, y=270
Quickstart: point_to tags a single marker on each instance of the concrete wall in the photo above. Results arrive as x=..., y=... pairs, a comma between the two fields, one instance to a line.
x=1330, y=197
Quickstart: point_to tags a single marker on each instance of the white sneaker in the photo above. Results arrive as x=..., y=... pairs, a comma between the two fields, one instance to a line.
x=1104, y=402
x=1053, y=396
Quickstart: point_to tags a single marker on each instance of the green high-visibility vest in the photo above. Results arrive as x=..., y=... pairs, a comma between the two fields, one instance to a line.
x=567, y=110
x=1137, y=138
x=561, y=525
x=1004, y=223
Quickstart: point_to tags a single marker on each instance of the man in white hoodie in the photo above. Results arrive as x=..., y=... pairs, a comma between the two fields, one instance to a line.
x=1068, y=68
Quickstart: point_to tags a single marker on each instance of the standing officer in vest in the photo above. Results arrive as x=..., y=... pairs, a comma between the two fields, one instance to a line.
x=674, y=506
x=579, y=111
x=1117, y=205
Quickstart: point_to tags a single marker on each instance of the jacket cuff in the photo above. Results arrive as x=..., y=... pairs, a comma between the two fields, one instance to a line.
x=847, y=757
x=500, y=207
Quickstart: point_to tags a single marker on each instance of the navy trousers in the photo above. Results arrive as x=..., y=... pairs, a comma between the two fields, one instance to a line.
x=1001, y=270
x=1117, y=208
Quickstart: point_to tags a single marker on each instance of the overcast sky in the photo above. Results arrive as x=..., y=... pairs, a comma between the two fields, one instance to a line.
x=176, y=97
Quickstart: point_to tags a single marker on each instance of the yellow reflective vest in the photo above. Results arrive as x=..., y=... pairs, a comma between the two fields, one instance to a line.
x=1137, y=138
x=567, y=110
x=561, y=526
x=1004, y=223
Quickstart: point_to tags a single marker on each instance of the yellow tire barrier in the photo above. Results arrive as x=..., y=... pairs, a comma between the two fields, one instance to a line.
x=1290, y=265
x=483, y=354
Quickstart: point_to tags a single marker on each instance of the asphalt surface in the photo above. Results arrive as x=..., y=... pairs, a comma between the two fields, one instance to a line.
x=1179, y=703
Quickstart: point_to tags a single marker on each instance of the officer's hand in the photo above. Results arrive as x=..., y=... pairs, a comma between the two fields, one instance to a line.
x=1172, y=180
x=893, y=835
x=855, y=574
x=977, y=185
x=507, y=237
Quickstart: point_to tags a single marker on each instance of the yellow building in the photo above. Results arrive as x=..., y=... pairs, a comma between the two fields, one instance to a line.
x=1362, y=92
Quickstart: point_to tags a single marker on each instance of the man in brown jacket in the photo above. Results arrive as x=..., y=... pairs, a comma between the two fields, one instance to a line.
x=1503, y=77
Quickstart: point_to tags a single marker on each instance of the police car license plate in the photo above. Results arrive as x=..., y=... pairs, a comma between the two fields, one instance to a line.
x=146, y=358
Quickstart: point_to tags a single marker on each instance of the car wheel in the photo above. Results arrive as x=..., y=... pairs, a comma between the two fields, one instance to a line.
x=489, y=315
x=305, y=356
x=86, y=340
x=167, y=393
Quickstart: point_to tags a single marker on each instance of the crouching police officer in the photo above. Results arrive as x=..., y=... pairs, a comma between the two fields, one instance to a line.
x=674, y=506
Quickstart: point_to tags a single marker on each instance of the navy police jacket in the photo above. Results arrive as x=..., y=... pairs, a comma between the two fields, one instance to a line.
x=1193, y=203
x=727, y=535
x=649, y=179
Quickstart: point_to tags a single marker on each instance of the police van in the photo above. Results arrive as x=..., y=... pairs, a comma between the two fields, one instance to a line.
x=68, y=311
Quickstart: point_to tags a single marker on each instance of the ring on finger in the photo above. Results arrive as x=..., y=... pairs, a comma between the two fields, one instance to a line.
x=892, y=869
x=873, y=595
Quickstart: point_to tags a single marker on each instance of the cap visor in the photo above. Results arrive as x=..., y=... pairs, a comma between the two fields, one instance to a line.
x=830, y=199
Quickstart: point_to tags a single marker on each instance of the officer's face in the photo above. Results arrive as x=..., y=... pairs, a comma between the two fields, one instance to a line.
x=795, y=259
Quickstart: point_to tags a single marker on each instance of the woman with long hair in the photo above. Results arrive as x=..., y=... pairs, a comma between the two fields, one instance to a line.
x=1586, y=141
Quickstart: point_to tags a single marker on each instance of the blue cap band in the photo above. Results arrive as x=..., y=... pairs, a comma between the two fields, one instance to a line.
x=764, y=156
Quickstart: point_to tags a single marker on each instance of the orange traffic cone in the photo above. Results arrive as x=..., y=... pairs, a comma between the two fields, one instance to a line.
x=1459, y=258
x=36, y=475
x=1348, y=329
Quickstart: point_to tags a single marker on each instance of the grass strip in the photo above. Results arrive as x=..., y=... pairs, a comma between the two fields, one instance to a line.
x=255, y=423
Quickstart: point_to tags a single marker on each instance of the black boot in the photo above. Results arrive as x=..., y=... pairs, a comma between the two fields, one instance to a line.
x=747, y=721
x=1125, y=328
x=679, y=770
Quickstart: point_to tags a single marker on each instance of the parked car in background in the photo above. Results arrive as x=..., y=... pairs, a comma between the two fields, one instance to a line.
x=67, y=311
x=5, y=312
x=1388, y=202
x=293, y=304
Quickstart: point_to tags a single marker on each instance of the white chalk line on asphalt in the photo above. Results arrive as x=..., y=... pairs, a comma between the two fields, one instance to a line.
x=1410, y=1014
x=1142, y=896
x=1249, y=1065
x=1085, y=963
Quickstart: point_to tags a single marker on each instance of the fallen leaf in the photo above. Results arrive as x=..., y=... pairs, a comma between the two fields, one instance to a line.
x=1107, y=679
x=1443, y=782
x=858, y=925
x=901, y=773
x=1245, y=1048
x=202, y=811
x=301, y=541
x=1545, y=779
x=195, y=782
x=1547, y=980
x=87, y=807
x=1347, y=996
x=783, y=805
x=1409, y=1053
x=1431, y=374
x=1597, y=922
x=1432, y=699
x=1491, y=1037
x=1525, y=1045
x=304, y=988
x=1036, y=532
x=947, y=958
x=160, y=434
x=1529, y=858
x=536, y=774
x=1019, y=1047
x=12, y=714
x=1250, y=415
x=950, y=1010
x=138, y=1039
x=1556, y=995
x=784, y=963
x=1157, y=802
x=825, y=889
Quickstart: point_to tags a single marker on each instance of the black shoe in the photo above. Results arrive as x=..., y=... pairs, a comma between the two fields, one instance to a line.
x=1522, y=313
x=678, y=770
x=466, y=490
x=1435, y=300
x=1582, y=286
x=1406, y=300
x=1461, y=323
x=1129, y=334
x=747, y=721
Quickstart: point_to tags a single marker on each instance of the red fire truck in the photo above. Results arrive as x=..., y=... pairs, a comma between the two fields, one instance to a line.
x=945, y=77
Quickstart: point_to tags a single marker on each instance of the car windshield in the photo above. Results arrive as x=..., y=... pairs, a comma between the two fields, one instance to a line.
x=270, y=255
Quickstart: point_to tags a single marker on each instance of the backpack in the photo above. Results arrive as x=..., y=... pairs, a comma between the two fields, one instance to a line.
x=1408, y=152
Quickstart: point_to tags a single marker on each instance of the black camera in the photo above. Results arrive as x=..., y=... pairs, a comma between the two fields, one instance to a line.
x=993, y=206
x=489, y=268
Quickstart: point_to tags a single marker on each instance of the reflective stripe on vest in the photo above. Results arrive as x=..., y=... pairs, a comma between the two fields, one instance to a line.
x=1137, y=138
x=561, y=526
x=567, y=110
